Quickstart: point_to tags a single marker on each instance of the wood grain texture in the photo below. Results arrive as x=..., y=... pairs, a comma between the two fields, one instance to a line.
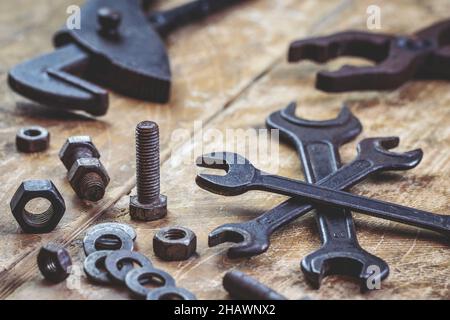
x=229, y=72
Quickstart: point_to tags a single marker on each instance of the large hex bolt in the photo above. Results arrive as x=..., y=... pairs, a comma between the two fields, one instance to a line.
x=87, y=175
x=54, y=262
x=43, y=222
x=149, y=204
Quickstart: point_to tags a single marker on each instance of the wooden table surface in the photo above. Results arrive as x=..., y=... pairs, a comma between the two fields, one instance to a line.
x=230, y=72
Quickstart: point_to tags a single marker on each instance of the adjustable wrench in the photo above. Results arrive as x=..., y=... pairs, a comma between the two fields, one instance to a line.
x=317, y=143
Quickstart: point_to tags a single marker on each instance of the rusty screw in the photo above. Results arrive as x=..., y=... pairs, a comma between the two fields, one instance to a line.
x=148, y=204
x=87, y=176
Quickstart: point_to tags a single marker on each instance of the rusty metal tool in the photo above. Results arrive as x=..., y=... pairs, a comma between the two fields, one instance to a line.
x=241, y=176
x=253, y=237
x=317, y=143
x=398, y=59
x=118, y=46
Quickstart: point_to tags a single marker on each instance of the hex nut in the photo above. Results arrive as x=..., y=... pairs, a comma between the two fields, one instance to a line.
x=43, y=222
x=80, y=169
x=54, y=262
x=174, y=243
x=72, y=145
x=32, y=139
x=148, y=212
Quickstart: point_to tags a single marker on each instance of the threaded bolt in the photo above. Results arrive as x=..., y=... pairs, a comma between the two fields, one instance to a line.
x=149, y=204
x=87, y=176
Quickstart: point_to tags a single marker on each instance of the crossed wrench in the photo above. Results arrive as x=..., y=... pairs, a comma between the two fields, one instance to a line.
x=253, y=237
x=242, y=176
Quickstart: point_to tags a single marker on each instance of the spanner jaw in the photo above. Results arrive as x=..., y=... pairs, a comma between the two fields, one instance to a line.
x=239, y=176
x=246, y=243
x=361, y=265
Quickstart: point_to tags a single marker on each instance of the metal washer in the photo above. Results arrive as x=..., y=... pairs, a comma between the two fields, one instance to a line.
x=125, y=227
x=90, y=240
x=119, y=257
x=134, y=277
x=170, y=293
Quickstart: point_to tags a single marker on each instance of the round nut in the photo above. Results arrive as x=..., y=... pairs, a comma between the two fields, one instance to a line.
x=54, y=262
x=42, y=222
x=174, y=243
x=148, y=212
x=32, y=139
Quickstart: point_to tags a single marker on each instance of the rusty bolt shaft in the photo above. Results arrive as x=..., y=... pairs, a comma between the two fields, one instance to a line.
x=147, y=161
x=149, y=204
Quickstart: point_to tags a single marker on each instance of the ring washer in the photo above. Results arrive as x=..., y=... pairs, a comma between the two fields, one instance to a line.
x=134, y=280
x=91, y=239
x=117, y=258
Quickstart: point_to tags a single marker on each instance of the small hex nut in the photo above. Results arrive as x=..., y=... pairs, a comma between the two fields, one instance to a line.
x=45, y=221
x=54, y=262
x=73, y=144
x=32, y=139
x=148, y=212
x=175, y=243
x=81, y=167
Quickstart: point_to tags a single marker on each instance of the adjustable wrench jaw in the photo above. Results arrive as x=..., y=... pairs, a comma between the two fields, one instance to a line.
x=134, y=62
x=397, y=59
x=240, y=173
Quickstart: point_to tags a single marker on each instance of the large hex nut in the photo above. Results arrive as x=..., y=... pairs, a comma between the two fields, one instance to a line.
x=74, y=144
x=174, y=243
x=32, y=139
x=54, y=262
x=42, y=222
x=81, y=168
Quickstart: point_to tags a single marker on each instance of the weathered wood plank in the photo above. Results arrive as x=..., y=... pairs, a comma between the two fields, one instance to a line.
x=418, y=113
x=212, y=63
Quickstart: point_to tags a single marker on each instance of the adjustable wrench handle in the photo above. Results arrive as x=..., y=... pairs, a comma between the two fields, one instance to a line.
x=167, y=21
x=373, y=207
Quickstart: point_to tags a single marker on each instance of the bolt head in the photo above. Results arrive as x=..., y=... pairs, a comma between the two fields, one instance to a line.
x=32, y=189
x=32, y=139
x=148, y=212
x=83, y=166
x=73, y=143
x=174, y=243
x=54, y=262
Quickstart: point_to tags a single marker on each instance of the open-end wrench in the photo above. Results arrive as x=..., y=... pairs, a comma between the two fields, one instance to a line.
x=241, y=176
x=253, y=237
x=340, y=252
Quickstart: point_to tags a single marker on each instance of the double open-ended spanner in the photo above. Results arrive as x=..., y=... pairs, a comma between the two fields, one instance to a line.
x=253, y=237
x=242, y=177
x=317, y=143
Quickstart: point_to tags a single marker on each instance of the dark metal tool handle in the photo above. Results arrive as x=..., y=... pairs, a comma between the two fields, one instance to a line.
x=166, y=21
x=373, y=207
x=293, y=208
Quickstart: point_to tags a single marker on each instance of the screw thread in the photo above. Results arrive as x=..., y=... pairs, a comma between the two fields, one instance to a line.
x=92, y=187
x=147, y=162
